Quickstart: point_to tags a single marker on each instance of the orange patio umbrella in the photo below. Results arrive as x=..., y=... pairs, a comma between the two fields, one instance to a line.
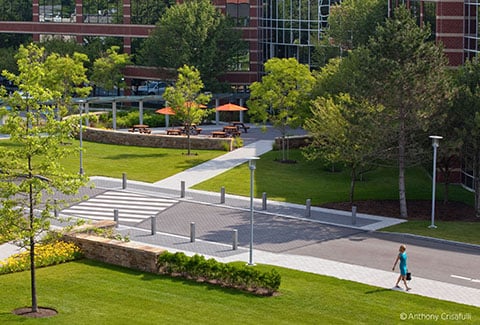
x=165, y=111
x=230, y=108
x=169, y=111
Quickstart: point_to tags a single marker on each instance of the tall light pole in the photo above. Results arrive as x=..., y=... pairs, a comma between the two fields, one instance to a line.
x=251, y=166
x=80, y=135
x=435, y=143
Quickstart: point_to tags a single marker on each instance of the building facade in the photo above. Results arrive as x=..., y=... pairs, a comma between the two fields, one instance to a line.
x=272, y=28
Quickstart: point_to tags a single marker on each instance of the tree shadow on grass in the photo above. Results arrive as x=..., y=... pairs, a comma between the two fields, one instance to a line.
x=380, y=290
x=135, y=155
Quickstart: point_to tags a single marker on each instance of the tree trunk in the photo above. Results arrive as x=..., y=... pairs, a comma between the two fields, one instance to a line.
x=187, y=129
x=401, y=165
x=33, y=283
x=476, y=168
x=352, y=184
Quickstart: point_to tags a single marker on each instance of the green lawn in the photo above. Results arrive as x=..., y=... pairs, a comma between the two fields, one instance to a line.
x=467, y=232
x=87, y=292
x=309, y=180
x=139, y=163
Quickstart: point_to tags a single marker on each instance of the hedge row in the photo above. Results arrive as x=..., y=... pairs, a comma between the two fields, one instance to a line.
x=228, y=275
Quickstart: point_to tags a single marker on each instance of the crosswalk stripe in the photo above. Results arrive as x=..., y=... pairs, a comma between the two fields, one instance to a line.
x=132, y=207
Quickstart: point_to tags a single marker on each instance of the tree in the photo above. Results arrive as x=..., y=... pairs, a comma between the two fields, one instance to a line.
x=345, y=131
x=465, y=118
x=30, y=170
x=67, y=83
x=352, y=22
x=185, y=98
x=402, y=71
x=15, y=10
x=107, y=69
x=194, y=33
x=282, y=97
x=409, y=78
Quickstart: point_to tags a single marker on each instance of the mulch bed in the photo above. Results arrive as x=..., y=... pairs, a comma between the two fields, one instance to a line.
x=41, y=313
x=417, y=209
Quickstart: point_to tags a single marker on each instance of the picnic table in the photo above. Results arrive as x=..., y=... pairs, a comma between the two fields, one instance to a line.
x=174, y=132
x=141, y=128
x=241, y=125
x=194, y=129
x=231, y=131
x=219, y=134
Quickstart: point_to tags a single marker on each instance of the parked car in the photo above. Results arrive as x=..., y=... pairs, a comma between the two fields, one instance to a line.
x=152, y=88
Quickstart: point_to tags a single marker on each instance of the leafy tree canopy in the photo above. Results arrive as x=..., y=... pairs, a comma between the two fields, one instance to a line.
x=197, y=34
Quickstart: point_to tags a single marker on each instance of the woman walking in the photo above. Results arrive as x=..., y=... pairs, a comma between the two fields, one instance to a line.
x=402, y=257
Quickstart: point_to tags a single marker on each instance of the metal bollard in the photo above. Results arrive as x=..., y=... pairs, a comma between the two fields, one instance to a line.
x=354, y=214
x=182, y=189
x=308, y=207
x=264, y=201
x=235, y=239
x=222, y=195
x=124, y=180
x=192, y=232
x=115, y=217
x=55, y=209
x=153, y=222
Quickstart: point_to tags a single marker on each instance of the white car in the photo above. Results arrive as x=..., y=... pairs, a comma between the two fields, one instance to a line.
x=152, y=88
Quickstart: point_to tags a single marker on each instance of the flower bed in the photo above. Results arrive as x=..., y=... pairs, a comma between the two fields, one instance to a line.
x=45, y=255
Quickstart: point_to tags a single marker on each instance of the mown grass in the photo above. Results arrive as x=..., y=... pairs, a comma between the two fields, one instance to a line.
x=87, y=292
x=466, y=232
x=139, y=163
x=311, y=180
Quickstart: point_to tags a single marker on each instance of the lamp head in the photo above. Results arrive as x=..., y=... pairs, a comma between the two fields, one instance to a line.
x=435, y=139
x=251, y=162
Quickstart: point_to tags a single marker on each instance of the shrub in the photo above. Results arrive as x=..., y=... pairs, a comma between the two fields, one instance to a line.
x=45, y=255
x=240, y=277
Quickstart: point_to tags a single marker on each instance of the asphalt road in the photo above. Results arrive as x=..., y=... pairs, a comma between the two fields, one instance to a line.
x=427, y=258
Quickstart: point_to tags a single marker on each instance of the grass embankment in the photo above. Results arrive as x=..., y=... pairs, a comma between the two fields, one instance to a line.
x=87, y=292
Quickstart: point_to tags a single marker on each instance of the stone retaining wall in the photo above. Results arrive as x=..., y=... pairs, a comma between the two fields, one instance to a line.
x=156, y=140
x=127, y=254
x=294, y=142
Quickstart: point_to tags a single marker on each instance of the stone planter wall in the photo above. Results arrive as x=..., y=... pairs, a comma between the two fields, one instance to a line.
x=127, y=254
x=294, y=142
x=156, y=140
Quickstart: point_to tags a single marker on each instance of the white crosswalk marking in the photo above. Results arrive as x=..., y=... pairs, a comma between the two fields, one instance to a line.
x=131, y=207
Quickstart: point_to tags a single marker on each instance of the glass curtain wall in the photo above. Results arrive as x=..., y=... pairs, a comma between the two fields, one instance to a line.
x=290, y=28
x=471, y=28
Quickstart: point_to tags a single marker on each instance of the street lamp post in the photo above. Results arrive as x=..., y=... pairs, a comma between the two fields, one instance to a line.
x=80, y=135
x=435, y=144
x=251, y=166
